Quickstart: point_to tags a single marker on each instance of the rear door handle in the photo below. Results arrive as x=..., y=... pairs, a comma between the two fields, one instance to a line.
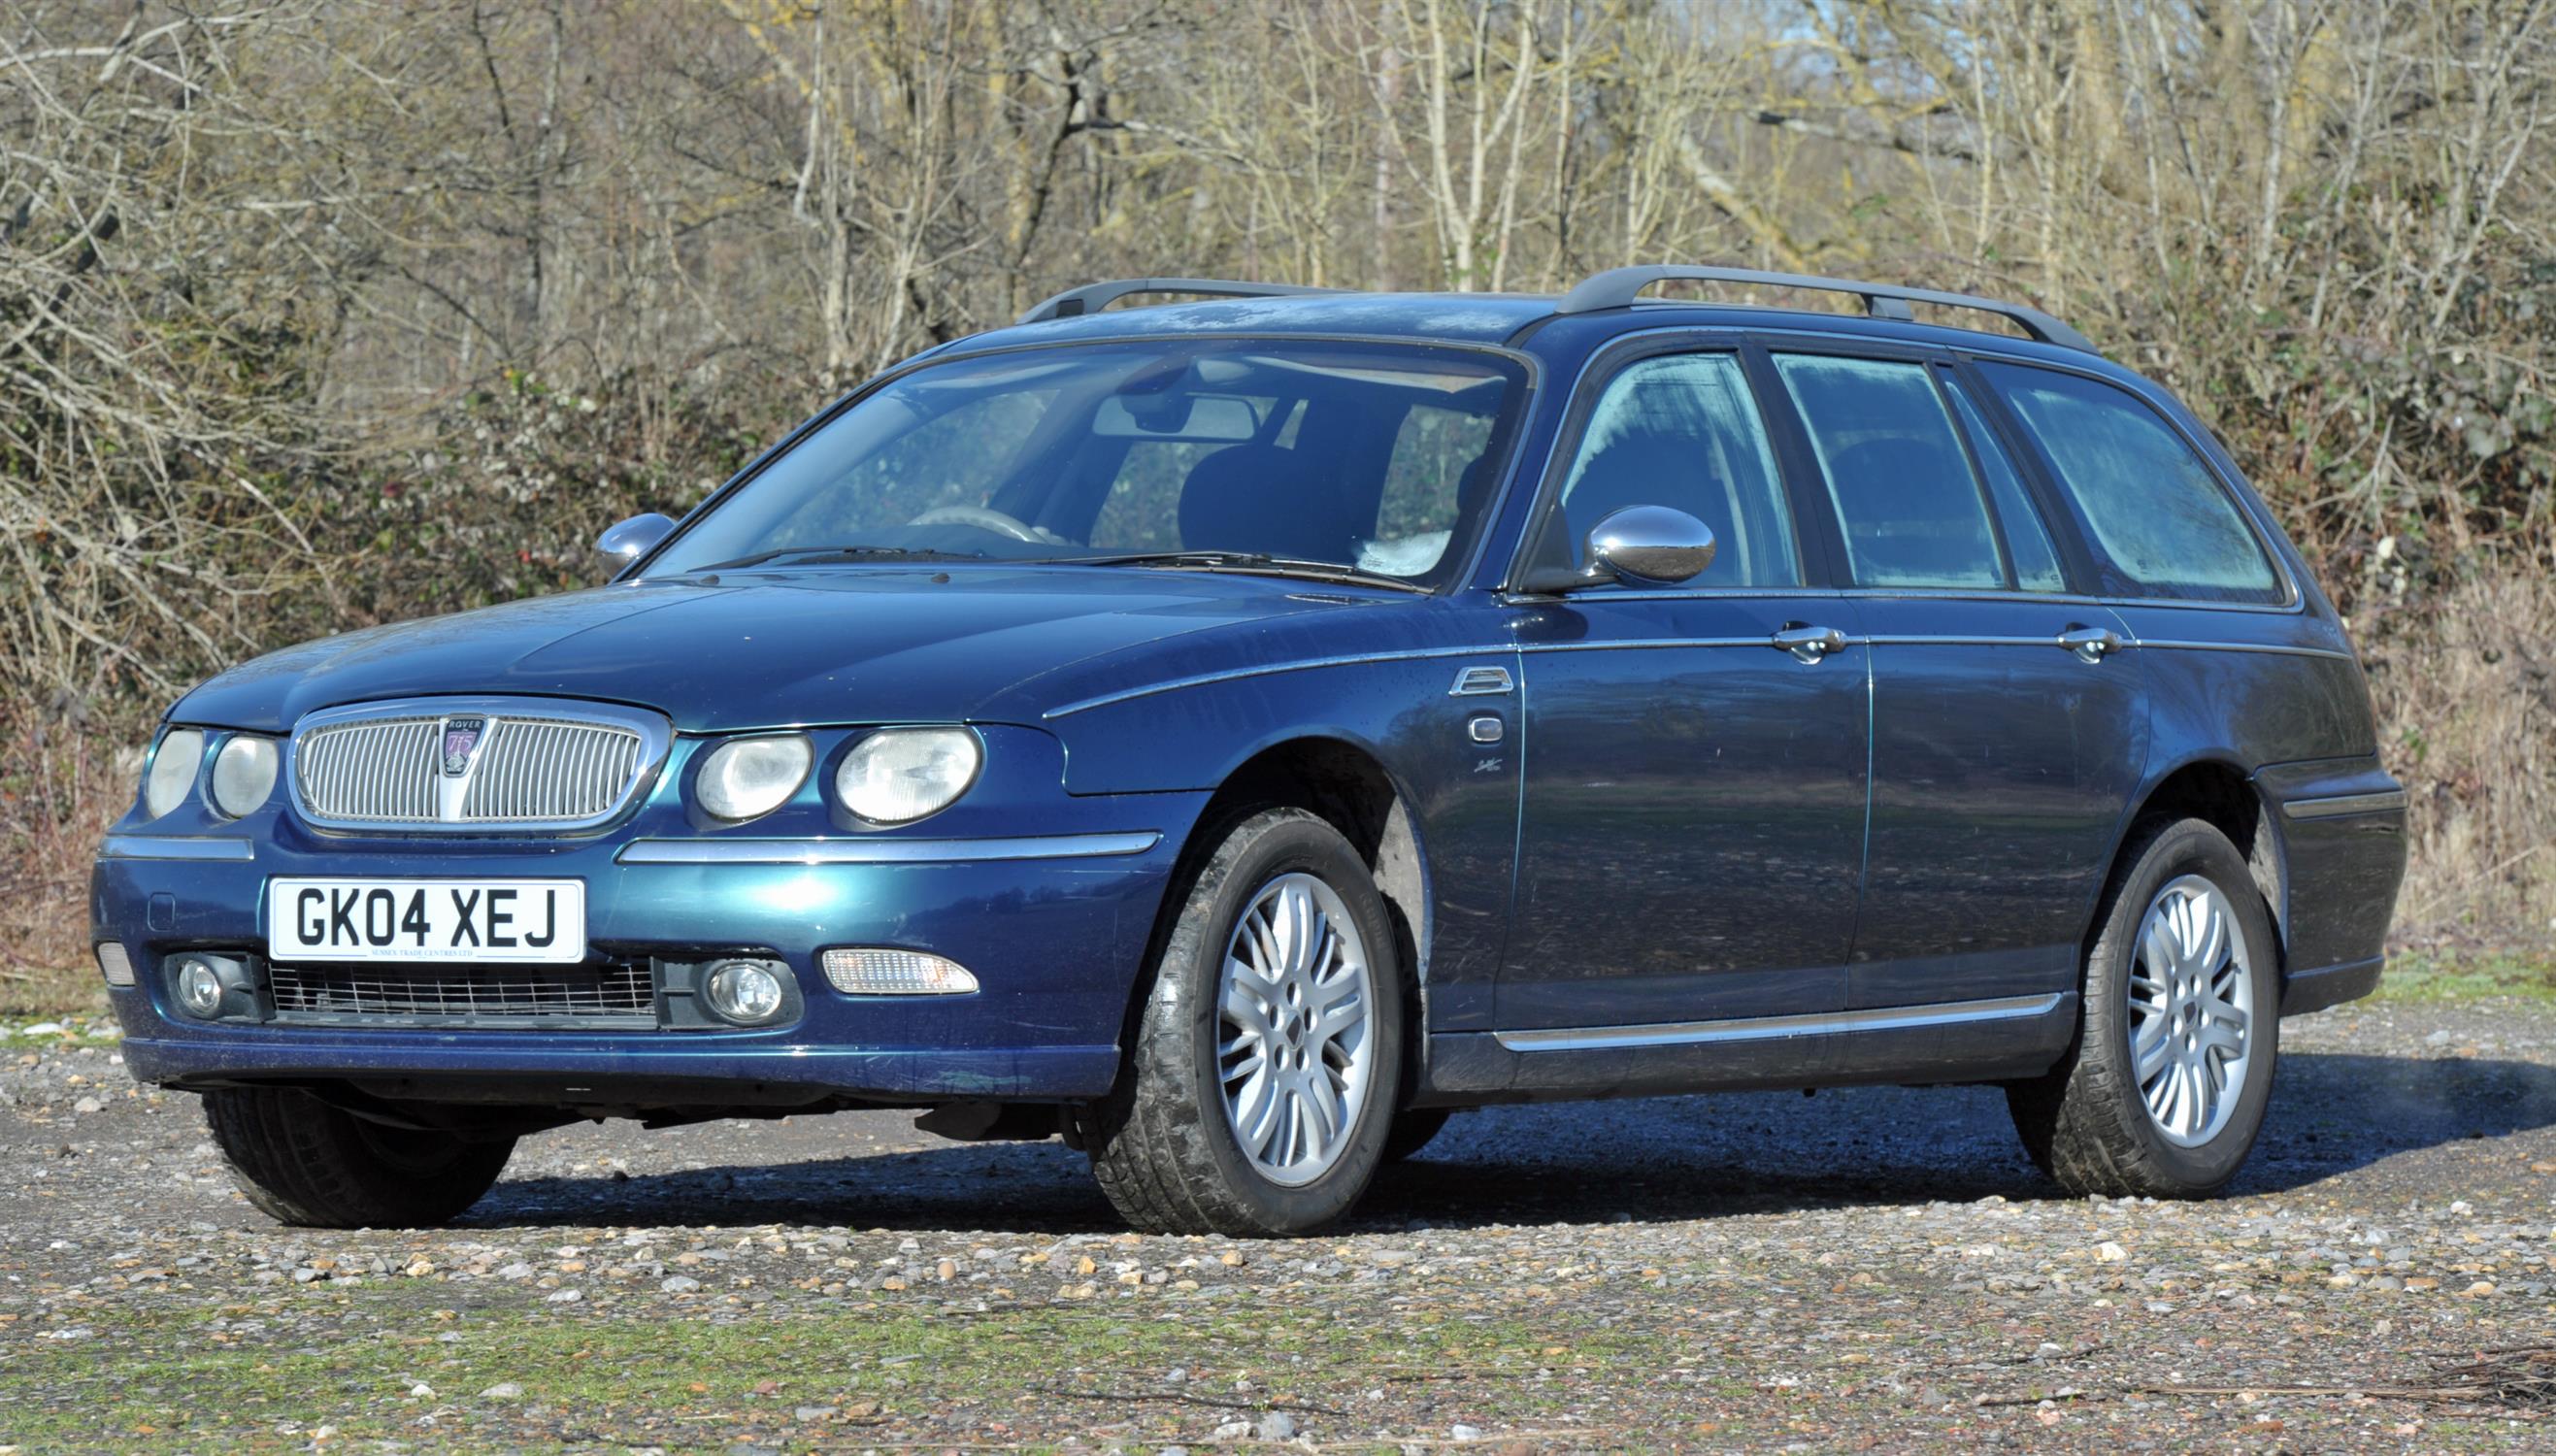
x=1810, y=643
x=2094, y=643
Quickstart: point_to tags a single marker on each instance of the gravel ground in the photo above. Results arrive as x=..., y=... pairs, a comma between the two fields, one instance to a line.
x=1878, y=1268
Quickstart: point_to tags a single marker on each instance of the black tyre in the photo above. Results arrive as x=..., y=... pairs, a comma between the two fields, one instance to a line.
x=1262, y=1068
x=2164, y=1090
x=1413, y=1130
x=305, y=1162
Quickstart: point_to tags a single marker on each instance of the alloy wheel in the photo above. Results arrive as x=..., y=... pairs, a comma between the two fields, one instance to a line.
x=1295, y=1053
x=2192, y=1010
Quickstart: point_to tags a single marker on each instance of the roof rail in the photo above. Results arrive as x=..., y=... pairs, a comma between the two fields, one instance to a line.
x=1618, y=287
x=1092, y=298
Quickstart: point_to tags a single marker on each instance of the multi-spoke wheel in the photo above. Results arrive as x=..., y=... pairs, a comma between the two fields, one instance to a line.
x=1295, y=1054
x=2164, y=1090
x=1267, y=1055
x=2191, y=1004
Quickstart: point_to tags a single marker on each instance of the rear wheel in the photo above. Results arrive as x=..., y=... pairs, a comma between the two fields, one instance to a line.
x=1259, y=1087
x=305, y=1162
x=2165, y=1089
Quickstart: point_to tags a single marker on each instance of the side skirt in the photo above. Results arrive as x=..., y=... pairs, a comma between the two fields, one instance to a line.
x=1950, y=1041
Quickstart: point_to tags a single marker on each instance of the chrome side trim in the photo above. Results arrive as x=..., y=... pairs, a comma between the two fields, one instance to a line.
x=2334, y=807
x=2279, y=649
x=1481, y=682
x=1202, y=680
x=1760, y=1028
x=176, y=847
x=1414, y=655
x=883, y=851
x=1955, y=640
x=1636, y=644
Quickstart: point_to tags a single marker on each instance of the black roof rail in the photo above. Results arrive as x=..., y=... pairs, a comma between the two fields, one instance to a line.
x=1092, y=298
x=1618, y=288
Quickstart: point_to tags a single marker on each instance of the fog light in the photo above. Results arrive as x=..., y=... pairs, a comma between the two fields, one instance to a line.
x=114, y=963
x=744, y=992
x=867, y=972
x=199, y=988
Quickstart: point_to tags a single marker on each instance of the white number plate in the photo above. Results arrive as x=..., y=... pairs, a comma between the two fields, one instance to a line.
x=426, y=919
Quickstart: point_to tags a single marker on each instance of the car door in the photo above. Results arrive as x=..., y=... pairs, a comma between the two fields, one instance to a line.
x=1693, y=793
x=2007, y=729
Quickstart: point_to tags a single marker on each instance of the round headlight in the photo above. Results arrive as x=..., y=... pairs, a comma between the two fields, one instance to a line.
x=243, y=774
x=901, y=774
x=181, y=757
x=748, y=777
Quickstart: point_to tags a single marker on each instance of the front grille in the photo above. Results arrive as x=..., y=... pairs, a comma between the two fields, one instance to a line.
x=475, y=996
x=383, y=772
x=545, y=769
x=472, y=764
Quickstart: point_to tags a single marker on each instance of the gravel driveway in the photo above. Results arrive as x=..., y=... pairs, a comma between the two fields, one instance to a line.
x=1873, y=1268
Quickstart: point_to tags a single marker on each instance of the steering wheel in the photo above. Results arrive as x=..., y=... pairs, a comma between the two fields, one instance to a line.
x=983, y=518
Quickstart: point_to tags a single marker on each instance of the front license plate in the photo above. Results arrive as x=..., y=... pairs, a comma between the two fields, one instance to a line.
x=426, y=919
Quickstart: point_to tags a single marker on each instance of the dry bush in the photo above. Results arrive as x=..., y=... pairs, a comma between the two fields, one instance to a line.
x=60, y=790
x=2465, y=692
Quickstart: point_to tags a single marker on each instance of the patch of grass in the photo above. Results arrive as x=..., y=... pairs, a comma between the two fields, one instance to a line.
x=702, y=1380
x=2467, y=975
x=45, y=993
x=58, y=1030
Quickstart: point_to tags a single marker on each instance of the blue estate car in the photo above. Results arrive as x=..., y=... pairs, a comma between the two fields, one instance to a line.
x=1233, y=734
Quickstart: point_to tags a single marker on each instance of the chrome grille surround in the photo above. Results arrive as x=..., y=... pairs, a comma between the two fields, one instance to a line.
x=475, y=765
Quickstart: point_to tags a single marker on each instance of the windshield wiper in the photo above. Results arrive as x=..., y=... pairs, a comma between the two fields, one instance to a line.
x=1253, y=563
x=842, y=553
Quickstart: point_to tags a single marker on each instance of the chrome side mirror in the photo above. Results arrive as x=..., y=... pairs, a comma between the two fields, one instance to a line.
x=1650, y=546
x=634, y=537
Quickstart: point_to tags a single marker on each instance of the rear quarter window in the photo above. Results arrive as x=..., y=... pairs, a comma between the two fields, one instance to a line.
x=1903, y=490
x=2155, y=509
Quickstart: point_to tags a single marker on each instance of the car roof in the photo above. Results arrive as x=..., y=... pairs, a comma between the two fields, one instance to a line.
x=1472, y=319
x=1609, y=301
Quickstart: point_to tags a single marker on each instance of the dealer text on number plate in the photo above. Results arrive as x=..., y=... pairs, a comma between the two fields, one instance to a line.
x=426, y=919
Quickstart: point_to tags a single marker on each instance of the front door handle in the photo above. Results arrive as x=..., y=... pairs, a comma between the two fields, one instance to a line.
x=1810, y=643
x=2094, y=643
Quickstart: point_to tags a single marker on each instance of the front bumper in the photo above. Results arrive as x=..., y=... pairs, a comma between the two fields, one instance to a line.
x=1054, y=939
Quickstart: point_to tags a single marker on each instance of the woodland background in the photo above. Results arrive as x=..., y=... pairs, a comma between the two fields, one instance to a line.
x=321, y=312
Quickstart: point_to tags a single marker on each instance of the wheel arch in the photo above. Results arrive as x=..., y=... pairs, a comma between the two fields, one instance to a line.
x=2220, y=792
x=1344, y=781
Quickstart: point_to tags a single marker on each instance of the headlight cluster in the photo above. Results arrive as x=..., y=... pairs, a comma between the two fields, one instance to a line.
x=748, y=777
x=895, y=776
x=908, y=773
x=242, y=779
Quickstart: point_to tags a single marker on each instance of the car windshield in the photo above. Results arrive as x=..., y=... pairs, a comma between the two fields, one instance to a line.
x=1352, y=459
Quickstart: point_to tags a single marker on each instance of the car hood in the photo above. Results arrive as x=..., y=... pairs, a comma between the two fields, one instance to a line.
x=834, y=645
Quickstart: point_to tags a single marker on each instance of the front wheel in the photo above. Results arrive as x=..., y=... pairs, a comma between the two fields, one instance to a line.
x=1262, y=1070
x=2164, y=1091
x=307, y=1164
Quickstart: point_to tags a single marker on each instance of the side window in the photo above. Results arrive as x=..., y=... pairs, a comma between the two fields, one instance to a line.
x=2027, y=539
x=2153, y=507
x=1683, y=431
x=1903, y=488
